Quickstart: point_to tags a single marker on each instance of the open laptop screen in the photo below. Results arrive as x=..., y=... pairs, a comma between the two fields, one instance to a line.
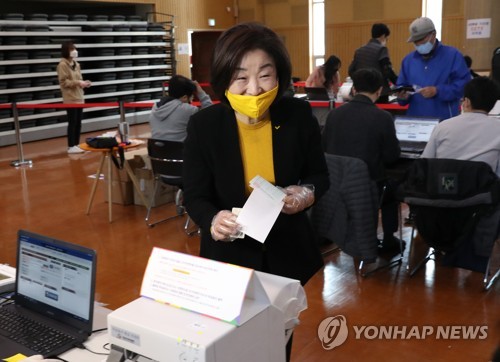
x=56, y=278
x=416, y=129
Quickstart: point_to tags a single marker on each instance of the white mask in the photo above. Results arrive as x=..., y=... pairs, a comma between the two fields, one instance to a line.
x=384, y=43
x=73, y=54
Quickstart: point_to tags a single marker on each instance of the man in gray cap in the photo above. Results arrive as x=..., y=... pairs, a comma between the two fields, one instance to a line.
x=436, y=72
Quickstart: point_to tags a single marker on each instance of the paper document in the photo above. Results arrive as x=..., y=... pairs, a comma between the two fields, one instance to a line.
x=495, y=111
x=261, y=209
x=196, y=284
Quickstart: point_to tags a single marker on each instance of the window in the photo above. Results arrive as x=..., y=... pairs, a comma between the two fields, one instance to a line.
x=434, y=9
x=430, y=8
x=316, y=32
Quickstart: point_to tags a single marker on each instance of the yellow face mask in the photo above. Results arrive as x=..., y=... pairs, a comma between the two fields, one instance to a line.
x=252, y=106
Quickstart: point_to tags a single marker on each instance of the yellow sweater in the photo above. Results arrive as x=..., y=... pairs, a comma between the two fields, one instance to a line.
x=256, y=146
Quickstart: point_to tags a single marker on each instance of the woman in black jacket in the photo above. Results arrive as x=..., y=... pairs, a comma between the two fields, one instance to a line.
x=254, y=131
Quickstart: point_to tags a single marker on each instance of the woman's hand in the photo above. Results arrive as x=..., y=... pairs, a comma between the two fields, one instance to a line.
x=297, y=198
x=224, y=226
x=85, y=83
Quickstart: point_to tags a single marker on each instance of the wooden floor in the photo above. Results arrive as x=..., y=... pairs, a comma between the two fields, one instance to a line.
x=51, y=196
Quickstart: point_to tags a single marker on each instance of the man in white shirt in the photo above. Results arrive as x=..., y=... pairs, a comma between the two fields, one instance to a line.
x=473, y=135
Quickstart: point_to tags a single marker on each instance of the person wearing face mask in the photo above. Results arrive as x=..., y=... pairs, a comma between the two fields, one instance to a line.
x=436, y=72
x=72, y=86
x=375, y=55
x=254, y=130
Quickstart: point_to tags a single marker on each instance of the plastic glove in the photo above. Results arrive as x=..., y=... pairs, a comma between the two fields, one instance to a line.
x=39, y=358
x=298, y=198
x=224, y=226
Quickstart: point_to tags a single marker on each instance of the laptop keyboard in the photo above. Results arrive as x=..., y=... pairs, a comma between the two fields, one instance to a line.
x=409, y=146
x=32, y=334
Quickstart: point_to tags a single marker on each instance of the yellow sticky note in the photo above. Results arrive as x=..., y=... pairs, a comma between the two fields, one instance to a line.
x=16, y=358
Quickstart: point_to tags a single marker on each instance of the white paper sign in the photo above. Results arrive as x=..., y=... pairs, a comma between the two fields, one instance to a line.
x=183, y=48
x=200, y=285
x=261, y=210
x=478, y=28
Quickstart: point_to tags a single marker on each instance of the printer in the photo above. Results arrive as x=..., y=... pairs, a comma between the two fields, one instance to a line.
x=148, y=330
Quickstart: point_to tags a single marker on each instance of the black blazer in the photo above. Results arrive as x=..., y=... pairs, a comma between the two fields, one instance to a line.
x=360, y=129
x=214, y=181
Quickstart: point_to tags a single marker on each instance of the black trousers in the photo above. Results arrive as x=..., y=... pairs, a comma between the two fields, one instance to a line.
x=74, y=125
x=389, y=207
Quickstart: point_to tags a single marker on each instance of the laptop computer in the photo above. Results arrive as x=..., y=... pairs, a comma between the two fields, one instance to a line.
x=55, y=285
x=316, y=94
x=413, y=134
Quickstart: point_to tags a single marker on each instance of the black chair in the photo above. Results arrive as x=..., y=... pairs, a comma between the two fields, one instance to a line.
x=166, y=161
x=457, y=214
x=348, y=213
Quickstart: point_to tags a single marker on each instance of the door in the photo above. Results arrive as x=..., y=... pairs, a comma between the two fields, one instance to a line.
x=203, y=43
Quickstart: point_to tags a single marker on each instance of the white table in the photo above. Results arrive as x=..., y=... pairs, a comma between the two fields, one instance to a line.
x=95, y=342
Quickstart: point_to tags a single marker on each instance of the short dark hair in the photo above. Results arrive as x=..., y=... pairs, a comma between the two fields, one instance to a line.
x=238, y=40
x=367, y=80
x=483, y=92
x=66, y=48
x=468, y=61
x=380, y=29
x=330, y=68
x=179, y=86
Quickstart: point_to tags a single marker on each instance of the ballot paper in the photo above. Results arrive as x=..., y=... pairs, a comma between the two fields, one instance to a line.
x=261, y=210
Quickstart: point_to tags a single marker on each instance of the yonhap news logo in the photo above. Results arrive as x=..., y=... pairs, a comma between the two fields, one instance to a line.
x=333, y=332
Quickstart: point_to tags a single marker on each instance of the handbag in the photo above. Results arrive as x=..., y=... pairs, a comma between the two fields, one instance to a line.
x=102, y=142
x=111, y=143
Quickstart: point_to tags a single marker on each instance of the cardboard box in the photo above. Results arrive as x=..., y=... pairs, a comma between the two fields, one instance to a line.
x=136, y=154
x=145, y=178
x=135, y=162
x=126, y=197
x=121, y=177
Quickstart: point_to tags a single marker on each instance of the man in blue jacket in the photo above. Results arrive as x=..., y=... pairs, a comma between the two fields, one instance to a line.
x=437, y=73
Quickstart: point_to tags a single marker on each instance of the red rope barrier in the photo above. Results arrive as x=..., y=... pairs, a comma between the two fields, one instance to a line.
x=203, y=84
x=77, y=105
x=138, y=104
x=318, y=104
x=67, y=105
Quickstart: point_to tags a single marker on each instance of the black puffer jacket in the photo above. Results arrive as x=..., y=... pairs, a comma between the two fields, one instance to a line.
x=347, y=213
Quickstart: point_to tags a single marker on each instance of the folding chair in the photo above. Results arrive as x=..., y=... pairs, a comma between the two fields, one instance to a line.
x=166, y=161
x=457, y=214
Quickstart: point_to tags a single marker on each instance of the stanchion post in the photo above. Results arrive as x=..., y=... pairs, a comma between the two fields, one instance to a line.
x=122, y=112
x=17, y=128
x=123, y=128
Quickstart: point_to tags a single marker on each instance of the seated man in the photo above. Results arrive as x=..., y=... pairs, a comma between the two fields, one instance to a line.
x=360, y=129
x=473, y=135
x=169, y=117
